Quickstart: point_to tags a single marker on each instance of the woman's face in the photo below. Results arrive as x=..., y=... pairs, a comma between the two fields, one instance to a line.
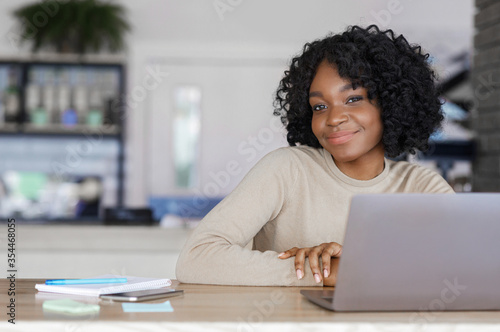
x=346, y=123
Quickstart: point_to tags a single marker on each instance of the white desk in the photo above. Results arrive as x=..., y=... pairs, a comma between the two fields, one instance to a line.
x=235, y=308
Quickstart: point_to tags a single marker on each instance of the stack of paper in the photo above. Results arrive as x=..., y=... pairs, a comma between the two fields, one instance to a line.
x=132, y=284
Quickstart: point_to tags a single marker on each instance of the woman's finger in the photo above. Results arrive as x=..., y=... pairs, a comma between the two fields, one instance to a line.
x=300, y=257
x=326, y=258
x=334, y=249
x=332, y=278
x=313, y=255
x=289, y=253
x=284, y=254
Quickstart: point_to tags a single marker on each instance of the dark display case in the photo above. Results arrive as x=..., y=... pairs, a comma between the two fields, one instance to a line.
x=61, y=137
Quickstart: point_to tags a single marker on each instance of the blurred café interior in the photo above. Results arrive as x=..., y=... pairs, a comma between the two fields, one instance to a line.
x=122, y=123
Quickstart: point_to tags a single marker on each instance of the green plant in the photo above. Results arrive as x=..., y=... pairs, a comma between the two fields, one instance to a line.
x=77, y=26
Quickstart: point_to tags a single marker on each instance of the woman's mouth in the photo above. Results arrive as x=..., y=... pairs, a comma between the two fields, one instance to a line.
x=341, y=137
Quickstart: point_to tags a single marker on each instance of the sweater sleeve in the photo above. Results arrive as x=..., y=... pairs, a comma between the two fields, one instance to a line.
x=215, y=253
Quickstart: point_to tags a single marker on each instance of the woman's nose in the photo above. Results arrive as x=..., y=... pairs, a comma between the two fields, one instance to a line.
x=336, y=116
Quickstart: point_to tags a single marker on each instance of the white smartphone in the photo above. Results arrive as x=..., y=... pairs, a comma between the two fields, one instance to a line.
x=144, y=295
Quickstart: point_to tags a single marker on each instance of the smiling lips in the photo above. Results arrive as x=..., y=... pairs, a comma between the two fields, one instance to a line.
x=340, y=137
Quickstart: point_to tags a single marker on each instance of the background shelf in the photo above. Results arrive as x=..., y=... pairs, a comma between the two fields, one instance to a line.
x=65, y=160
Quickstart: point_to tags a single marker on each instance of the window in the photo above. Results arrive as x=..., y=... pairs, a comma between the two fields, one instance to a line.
x=186, y=132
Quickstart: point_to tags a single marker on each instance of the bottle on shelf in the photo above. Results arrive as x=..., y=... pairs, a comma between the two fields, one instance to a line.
x=67, y=114
x=2, y=115
x=95, y=113
x=69, y=117
x=3, y=81
x=10, y=97
x=80, y=94
x=49, y=94
x=33, y=101
x=110, y=95
x=32, y=93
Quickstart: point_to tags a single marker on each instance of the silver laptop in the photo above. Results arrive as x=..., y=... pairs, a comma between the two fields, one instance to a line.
x=418, y=252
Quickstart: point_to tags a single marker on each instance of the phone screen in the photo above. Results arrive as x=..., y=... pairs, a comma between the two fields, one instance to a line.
x=143, y=295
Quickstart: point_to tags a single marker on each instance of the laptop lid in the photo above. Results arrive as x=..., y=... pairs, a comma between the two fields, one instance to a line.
x=420, y=252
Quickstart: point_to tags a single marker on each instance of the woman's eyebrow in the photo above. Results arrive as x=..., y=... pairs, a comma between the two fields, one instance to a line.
x=346, y=87
x=342, y=89
x=315, y=94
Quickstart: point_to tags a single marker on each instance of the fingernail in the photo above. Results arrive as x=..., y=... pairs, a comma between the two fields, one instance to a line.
x=299, y=274
x=317, y=278
x=281, y=254
x=325, y=273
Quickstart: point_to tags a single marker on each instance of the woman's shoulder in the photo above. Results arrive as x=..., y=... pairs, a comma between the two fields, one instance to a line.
x=419, y=177
x=405, y=168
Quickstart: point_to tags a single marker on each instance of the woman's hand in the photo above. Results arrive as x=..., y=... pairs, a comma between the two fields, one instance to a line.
x=327, y=251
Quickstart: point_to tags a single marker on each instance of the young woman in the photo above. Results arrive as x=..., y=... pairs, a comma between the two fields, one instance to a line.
x=348, y=101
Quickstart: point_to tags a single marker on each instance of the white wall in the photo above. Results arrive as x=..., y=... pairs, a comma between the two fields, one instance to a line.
x=237, y=125
x=196, y=43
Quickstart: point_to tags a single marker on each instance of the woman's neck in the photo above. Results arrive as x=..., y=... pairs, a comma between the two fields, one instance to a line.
x=362, y=169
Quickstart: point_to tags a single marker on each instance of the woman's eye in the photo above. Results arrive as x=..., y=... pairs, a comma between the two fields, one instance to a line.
x=354, y=99
x=318, y=107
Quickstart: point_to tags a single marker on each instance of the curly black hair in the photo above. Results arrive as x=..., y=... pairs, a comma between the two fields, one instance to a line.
x=394, y=73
